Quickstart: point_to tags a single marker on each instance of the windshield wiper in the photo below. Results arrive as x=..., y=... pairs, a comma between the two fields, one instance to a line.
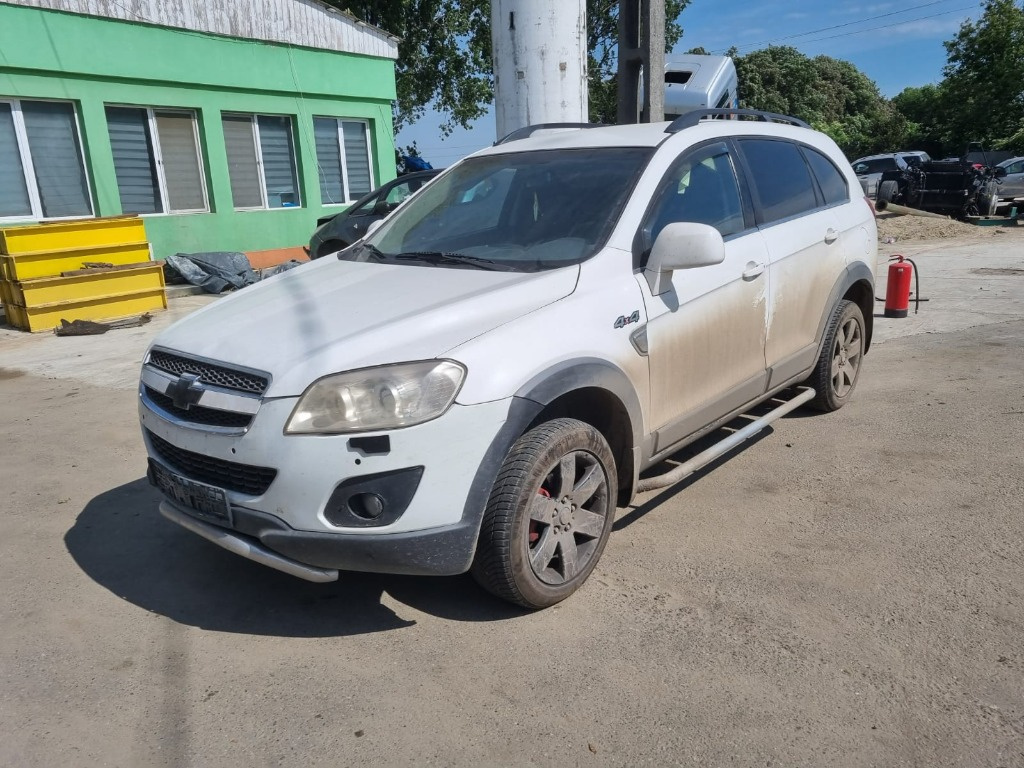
x=441, y=257
x=370, y=250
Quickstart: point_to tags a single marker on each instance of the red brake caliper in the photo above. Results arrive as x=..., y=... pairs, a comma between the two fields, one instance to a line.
x=535, y=525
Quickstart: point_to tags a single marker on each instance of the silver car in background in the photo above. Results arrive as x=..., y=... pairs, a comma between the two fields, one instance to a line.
x=1012, y=184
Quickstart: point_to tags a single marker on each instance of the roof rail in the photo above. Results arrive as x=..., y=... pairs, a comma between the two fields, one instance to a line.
x=528, y=131
x=691, y=119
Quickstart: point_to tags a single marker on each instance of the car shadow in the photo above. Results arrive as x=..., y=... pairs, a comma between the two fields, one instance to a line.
x=122, y=542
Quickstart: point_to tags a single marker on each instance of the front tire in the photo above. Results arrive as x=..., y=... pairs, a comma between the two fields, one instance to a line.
x=549, y=515
x=839, y=364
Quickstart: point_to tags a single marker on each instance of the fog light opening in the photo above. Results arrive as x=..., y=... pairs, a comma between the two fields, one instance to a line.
x=368, y=506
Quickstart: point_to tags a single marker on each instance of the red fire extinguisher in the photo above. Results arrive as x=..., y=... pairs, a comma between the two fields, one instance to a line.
x=897, y=292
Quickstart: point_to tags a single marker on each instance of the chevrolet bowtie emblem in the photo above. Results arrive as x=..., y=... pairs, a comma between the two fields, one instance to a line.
x=186, y=391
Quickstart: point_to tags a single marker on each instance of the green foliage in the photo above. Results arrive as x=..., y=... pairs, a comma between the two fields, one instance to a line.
x=832, y=95
x=924, y=109
x=444, y=55
x=983, y=90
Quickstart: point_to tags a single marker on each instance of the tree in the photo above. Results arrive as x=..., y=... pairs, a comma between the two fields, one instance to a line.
x=984, y=78
x=830, y=94
x=924, y=108
x=444, y=54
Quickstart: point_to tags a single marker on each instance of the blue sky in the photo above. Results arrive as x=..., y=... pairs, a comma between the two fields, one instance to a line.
x=896, y=44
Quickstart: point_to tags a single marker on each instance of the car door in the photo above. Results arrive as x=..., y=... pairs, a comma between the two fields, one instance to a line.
x=706, y=328
x=1012, y=185
x=806, y=252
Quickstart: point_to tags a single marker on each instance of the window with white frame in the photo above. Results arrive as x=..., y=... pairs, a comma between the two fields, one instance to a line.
x=156, y=160
x=261, y=161
x=343, y=159
x=42, y=169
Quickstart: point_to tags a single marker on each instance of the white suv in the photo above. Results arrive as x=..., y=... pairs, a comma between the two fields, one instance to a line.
x=478, y=383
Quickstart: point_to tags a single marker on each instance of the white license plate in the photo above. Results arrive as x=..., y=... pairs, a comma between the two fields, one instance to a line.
x=201, y=499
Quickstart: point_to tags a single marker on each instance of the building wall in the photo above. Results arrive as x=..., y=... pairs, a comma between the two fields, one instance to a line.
x=97, y=62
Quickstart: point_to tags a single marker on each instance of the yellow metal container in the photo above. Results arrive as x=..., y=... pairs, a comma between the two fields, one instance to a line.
x=48, y=316
x=35, y=264
x=88, y=284
x=6, y=292
x=68, y=235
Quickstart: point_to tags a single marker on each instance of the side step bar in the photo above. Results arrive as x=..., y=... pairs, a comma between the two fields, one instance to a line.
x=722, y=447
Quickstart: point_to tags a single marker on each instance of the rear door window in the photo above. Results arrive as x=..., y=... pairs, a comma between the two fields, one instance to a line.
x=780, y=179
x=830, y=181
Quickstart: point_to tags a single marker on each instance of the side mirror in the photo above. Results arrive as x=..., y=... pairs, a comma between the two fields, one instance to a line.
x=682, y=245
x=382, y=208
x=1000, y=172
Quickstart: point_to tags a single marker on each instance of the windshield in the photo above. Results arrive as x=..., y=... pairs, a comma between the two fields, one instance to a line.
x=523, y=211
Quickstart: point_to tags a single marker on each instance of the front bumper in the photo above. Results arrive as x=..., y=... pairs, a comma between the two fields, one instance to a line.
x=318, y=557
x=288, y=526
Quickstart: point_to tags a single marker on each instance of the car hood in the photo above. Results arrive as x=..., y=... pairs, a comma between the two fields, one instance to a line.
x=329, y=316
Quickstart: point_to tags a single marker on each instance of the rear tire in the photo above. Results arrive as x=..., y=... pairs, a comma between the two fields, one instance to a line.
x=839, y=364
x=887, y=191
x=549, y=515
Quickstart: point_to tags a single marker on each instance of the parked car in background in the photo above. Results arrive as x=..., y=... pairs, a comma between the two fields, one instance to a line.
x=342, y=229
x=1012, y=184
x=869, y=169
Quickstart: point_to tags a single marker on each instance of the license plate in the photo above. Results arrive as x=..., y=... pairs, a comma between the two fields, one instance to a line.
x=203, y=500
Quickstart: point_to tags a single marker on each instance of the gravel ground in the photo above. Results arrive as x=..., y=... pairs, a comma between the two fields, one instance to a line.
x=848, y=590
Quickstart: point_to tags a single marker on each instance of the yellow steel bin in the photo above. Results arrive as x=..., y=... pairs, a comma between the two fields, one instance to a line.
x=67, y=235
x=48, y=316
x=88, y=284
x=35, y=264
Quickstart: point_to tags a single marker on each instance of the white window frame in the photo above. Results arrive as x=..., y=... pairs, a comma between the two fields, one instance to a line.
x=158, y=157
x=255, y=125
x=349, y=199
x=29, y=170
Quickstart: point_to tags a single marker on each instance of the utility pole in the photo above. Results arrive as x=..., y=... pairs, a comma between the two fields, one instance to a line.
x=540, y=62
x=641, y=49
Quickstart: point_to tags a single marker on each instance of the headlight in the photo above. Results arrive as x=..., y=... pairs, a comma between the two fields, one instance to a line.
x=388, y=397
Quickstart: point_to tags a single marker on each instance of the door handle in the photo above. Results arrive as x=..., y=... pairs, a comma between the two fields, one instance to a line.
x=752, y=270
x=831, y=235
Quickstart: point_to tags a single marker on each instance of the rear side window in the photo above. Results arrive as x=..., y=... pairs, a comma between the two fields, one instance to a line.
x=830, y=180
x=780, y=179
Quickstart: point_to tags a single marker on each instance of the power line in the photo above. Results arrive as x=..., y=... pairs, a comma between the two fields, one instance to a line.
x=852, y=23
x=840, y=26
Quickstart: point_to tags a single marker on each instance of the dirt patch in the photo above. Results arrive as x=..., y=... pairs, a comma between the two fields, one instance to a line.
x=895, y=229
x=8, y=373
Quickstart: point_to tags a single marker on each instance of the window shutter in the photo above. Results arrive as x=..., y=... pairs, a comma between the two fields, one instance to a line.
x=357, y=159
x=241, y=151
x=133, y=160
x=57, y=158
x=328, y=160
x=182, y=171
x=14, y=200
x=278, y=161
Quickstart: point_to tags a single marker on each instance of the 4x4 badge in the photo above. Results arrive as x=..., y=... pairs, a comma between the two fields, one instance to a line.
x=623, y=321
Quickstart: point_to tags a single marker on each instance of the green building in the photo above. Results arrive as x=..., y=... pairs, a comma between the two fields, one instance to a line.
x=226, y=124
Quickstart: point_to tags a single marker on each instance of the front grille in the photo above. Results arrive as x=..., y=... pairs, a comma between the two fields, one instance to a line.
x=208, y=373
x=241, y=478
x=197, y=414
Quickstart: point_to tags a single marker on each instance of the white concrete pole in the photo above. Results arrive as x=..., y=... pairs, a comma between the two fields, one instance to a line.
x=540, y=62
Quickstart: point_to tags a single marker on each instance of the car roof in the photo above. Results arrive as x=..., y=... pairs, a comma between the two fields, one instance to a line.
x=1011, y=161
x=641, y=135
